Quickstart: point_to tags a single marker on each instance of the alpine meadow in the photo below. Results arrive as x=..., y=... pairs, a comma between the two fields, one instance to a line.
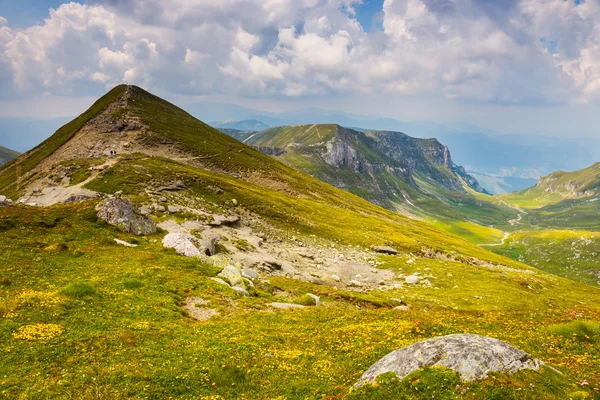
x=326, y=199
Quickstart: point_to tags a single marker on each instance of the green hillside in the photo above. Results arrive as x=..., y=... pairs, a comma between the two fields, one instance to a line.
x=85, y=317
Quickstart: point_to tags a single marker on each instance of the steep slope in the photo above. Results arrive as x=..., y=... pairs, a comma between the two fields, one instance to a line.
x=245, y=125
x=7, y=154
x=413, y=176
x=116, y=318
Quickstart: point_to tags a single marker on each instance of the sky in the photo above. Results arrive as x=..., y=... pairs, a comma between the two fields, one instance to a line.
x=512, y=66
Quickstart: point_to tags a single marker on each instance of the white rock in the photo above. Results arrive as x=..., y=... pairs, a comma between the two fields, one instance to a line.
x=354, y=283
x=335, y=278
x=183, y=243
x=2, y=199
x=285, y=306
x=123, y=243
x=412, y=279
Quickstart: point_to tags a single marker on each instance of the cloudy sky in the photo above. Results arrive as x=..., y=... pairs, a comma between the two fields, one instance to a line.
x=530, y=66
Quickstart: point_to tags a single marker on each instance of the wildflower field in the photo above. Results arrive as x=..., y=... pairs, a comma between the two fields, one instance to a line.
x=84, y=318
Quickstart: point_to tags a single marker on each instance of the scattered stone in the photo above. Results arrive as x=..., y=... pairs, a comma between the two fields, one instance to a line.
x=122, y=214
x=219, y=220
x=317, y=299
x=354, y=283
x=209, y=244
x=220, y=281
x=234, y=202
x=163, y=199
x=123, y=243
x=402, y=308
x=183, y=243
x=174, y=209
x=385, y=250
x=314, y=280
x=172, y=187
x=241, y=290
x=250, y=274
x=31, y=204
x=193, y=307
x=232, y=275
x=472, y=356
x=161, y=209
x=285, y=306
x=335, y=278
x=76, y=198
x=412, y=279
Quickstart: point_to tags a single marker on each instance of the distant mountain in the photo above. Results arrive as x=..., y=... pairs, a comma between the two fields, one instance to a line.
x=410, y=175
x=7, y=154
x=562, y=199
x=246, y=125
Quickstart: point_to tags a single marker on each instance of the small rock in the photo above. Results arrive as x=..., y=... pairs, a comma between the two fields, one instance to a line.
x=335, y=278
x=220, y=281
x=317, y=299
x=123, y=243
x=161, y=209
x=209, y=244
x=449, y=275
x=250, y=274
x=2, y=199
x=385, y=250
x=234, y=202
x=174, y=209
x=314, y=280
x=354, y=283
x=412, y=279
x=402, y=308
x=285, y=306
x=241, y=290
x=219, y=220
x=163, y=199
x=232, y=275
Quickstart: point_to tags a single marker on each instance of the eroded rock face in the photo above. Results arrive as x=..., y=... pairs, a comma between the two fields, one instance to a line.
x=472, y=356
x=123, y=214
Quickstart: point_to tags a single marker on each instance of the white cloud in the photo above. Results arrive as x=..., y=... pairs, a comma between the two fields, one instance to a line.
x=458, y=49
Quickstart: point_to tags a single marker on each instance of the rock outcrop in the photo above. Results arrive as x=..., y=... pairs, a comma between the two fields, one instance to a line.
x=472, y=356
x=123, y=214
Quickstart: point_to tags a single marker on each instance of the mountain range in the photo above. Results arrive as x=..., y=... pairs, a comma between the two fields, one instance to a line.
x=147, y=254
x=7, y=154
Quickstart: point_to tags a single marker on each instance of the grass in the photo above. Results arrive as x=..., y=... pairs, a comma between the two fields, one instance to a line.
x=99, y=319
x=568, y=253
x=579, y=331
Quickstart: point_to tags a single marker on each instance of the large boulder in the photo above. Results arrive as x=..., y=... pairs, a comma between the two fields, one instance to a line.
x=472, y=356
x=183, y=243
x=233, y=276
x=123, y=214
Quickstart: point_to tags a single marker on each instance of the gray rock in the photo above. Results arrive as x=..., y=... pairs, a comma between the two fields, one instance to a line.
x=354, y=283
x=209, y=244
x=161, y=209
x=385, y=250
x=183, y=243
x=233, y=276
x=220, y=281
x=122, y=214
x=2, y=199
x=174, y=209
x=472, y=356
x=335, y=278
x=241, y=290
x=171, y=187
x=317, y=299
x=219, y=220
x=250, y=274
x=412, y=279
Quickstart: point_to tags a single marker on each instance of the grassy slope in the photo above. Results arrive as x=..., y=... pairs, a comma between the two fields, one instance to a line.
x=568, y=253
x=121, y=333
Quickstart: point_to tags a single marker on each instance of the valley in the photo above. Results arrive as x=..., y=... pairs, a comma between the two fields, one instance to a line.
x=279, y=273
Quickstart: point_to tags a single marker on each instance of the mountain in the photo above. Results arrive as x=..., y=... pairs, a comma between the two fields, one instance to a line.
x=409, y=175
x=220, y=301
x=246, y=125
x=7, y=154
